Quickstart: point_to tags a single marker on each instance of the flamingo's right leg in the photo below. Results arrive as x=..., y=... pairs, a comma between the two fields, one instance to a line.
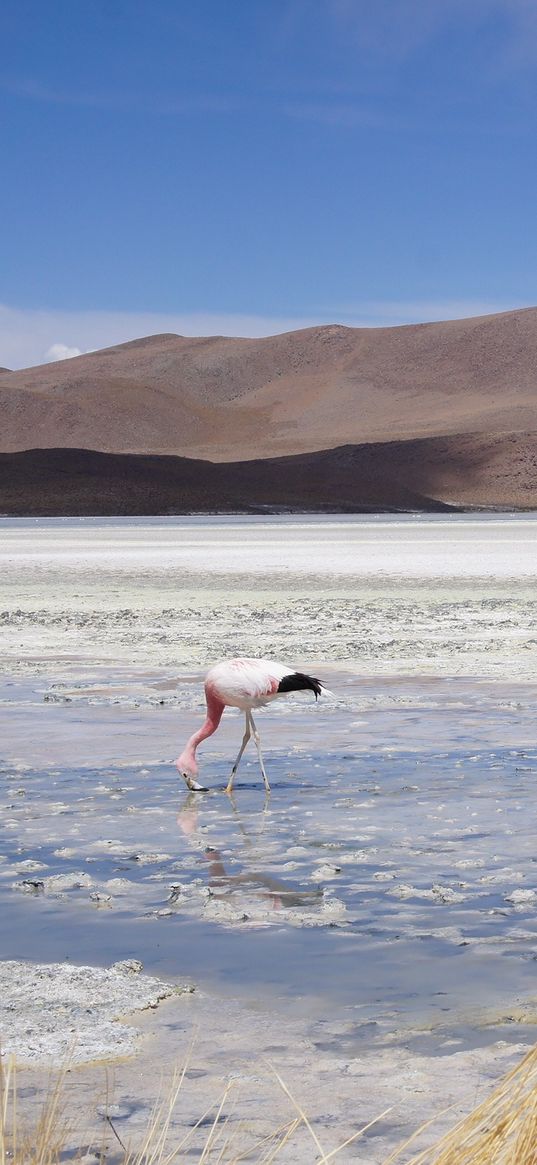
x=245, y=739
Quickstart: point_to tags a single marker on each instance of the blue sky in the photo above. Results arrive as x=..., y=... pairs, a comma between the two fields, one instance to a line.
x=246, y=166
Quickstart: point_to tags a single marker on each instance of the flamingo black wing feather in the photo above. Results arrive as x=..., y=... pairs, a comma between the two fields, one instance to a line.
x=298, y=682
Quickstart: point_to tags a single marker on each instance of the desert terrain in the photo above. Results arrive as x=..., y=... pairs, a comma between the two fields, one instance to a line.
x=405, y=418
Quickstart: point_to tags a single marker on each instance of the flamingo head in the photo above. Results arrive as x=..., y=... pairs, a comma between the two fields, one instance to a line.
x=186, y=765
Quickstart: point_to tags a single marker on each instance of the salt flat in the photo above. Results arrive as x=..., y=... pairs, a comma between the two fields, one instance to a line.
x=448, y=546
x=450, y=595
x=371, y=927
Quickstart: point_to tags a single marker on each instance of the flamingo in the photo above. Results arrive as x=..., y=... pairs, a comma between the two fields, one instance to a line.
x=245, y=684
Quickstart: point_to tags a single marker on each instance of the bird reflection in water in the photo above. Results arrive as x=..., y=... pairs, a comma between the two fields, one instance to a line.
x=279, y=893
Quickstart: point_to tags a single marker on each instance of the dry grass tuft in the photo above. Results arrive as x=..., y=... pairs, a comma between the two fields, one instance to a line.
x=500, y=1131
x=20, y=1145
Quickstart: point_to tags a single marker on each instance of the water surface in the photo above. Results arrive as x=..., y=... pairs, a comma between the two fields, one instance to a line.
x=381, y=878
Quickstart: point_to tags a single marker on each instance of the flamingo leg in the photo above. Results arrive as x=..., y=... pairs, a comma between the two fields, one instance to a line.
x=245, y=739
x=257, y=739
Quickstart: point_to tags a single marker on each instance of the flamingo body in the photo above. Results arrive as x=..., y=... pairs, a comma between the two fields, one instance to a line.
x=246, y=683
x=241, y=683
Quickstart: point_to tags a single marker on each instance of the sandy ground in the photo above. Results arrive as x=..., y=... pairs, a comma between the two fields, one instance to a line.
x=231, y=1054
x=370, y=931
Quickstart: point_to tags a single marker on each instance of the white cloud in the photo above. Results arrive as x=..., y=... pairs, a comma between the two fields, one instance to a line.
x=397, y=28
x=393, y=27
x=61, y=352
x=162, y=104
x=29, y=337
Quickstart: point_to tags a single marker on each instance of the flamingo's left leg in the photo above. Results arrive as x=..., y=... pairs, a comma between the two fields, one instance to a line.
x=257, y=739
x=245, y=739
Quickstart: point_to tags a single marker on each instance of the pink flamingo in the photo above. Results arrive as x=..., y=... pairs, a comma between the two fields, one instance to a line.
x=246, y=684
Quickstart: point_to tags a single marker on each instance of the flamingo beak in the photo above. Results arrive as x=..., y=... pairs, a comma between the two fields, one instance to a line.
x=193, y=785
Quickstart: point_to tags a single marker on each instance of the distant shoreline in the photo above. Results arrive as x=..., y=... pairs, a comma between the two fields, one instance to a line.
x=281, y=512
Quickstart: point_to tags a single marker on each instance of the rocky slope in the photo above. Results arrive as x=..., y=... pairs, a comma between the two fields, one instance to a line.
x=406, y=417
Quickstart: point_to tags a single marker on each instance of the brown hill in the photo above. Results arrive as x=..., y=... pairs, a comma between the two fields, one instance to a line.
x=408, y=417
x=232, y=399
x=78, y=481
x=424, y=474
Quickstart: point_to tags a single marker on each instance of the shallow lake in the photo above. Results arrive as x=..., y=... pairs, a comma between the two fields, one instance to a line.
x=390, y=876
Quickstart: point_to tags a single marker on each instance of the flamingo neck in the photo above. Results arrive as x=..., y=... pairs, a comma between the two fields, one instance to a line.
x=215, y=709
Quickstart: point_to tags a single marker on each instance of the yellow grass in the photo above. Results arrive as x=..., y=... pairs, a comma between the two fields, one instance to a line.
x=500, y=1131
x=20, y=1145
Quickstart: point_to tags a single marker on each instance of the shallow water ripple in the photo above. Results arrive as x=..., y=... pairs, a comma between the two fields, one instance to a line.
x=410, y=881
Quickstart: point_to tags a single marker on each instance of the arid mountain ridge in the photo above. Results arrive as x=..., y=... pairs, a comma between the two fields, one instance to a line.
x=407, y=417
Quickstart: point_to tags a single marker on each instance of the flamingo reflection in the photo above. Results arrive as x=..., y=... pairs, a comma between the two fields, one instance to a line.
x=280, y=893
